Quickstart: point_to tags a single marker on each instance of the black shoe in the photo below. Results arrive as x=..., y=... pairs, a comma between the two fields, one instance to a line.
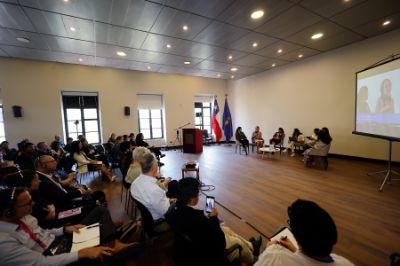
x=256, y=245
x=162, y=155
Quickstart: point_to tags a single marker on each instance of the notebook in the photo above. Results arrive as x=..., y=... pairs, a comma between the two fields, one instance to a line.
x=88, y=236
x=285, y=232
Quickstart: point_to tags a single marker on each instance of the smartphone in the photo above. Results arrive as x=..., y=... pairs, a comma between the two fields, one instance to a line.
x=210, y=203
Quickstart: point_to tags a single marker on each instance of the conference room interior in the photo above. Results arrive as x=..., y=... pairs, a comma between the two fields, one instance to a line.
x=263, y=88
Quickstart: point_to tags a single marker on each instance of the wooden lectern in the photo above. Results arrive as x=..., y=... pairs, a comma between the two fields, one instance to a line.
x=192, y=140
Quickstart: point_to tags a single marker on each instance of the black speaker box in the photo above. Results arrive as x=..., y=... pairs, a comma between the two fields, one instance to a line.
x=17, y=111
x=127, y=111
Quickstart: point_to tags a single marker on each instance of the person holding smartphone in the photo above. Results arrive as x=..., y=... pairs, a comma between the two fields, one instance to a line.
x=200, y=239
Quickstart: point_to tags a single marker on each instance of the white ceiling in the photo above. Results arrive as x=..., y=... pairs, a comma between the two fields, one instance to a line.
x=217, y=29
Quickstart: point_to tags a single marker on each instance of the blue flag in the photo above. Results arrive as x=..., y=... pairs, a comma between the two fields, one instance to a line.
x=227, y=122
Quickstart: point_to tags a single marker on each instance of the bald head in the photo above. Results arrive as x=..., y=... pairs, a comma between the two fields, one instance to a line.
x=45, y=164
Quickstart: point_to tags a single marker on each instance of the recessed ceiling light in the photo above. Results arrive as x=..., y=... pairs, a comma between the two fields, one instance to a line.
x=72, y=28
x=346, y=1
x=279, y=51
x=317, y=35
x=219, y=75
x=66, y=1
x=234, y=69
x=149, y=67
x=387, y=22
x=232, y=77
x=185, y=27
x=120, y=53
x=255, y=44
x=257, y=14
x=230, y=57
x=300, y=56
x=273, y=65
x=22, y=39
x=80, y=59
x=169, y=46
x=187, y=62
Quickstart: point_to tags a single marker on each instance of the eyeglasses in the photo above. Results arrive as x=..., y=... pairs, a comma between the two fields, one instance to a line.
x=29, y=203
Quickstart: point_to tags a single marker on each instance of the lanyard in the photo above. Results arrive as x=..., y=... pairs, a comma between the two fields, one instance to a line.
x=31, y=234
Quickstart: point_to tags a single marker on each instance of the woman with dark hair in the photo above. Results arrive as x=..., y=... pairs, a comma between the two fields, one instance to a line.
x=241, y=138
x=315, y=233
x=132, y=139
x=320, y=147
x=141, y=143
x=385, y=102
x=56, y=150
x=278, y=137
x=296, y=140
x=83, y=161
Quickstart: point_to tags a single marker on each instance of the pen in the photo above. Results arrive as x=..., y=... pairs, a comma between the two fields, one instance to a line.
x=92, y=226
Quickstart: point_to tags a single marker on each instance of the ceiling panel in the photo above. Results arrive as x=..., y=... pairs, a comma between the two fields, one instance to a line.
x=23, y=52
x=246, y=42
x=326, y=27
x=12, y=16
x=329, y=8
x=267, y=64
x=3, y=53
x=120, y=36
x=70, y=45
x=206, y=8
x=9, y=37
x=294, y=55
x=339, y=40
x=171, y=21
x=272, y=50
x=375, y=27
x=289, y=22
x=250, y=60
x=215, y=66
x=135, y=65
x=366, y=12
x=224, y=54
x=239, y=12
x=113, y=63
x=179, y=47
x=169, y=69
x=220, y=34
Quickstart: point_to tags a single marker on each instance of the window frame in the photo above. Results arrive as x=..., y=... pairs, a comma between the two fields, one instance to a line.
x=151, y=124
x=202, y=107
x=2, y=124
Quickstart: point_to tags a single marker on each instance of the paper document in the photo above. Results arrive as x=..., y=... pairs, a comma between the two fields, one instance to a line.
x=88, y=236
x=285, y=232
x=69, y=213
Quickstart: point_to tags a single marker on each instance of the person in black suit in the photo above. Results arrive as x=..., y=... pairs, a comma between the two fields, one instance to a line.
x=198, y=239
x=26, y=160
x=157, y=152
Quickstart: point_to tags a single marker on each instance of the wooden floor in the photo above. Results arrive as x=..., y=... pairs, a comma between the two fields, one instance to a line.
x=253, y=195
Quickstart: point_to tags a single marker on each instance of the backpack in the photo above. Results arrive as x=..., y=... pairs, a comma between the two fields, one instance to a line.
x=131, y=231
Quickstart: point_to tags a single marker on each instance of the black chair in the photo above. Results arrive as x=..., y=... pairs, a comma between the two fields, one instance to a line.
x=206, y=138
x=148, y=222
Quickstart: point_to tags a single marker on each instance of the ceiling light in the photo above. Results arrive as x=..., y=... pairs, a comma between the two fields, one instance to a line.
x=234, y=69
x=317, y=35
x=273, y=65
x=346, y=1
x=279, y=51
x=185, y=27
x=387, y=22
x=300, y=56
x=219, y=75
x=255, y=44
x=23, y=39
x=230, y=57
x=66, y=1
x=169, y=46
x=72, y=28
x=149, y=67
x=257, y=14
x=80, y=59
x=187, y=62
x=120, y=53
x=232, y=77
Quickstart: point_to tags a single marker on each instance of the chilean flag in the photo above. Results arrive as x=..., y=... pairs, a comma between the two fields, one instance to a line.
x=215, y=125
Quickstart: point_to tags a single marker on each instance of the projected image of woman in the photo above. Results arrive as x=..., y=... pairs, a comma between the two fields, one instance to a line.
x=385, y=102
x=362, y=104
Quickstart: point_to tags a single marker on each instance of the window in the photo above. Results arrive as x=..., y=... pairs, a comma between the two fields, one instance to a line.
x=202, y=111
x=2, y=132
x=150, y=111
x=81, y=116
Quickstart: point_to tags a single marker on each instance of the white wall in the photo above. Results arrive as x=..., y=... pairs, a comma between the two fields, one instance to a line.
x=314, y=92
x=37, y=86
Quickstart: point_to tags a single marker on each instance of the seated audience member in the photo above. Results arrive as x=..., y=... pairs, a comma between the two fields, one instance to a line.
x=83, y=161
x=26, y=160
x=124, y=137
x=278, y=137
x=21, y=145
x=7, y=153
x=257, y=138
x=89, y=149
x=135, y=168
x=132, y=139
x=111, y=139
x=42, y=149
x=241, y=137
x=58, y=139
x=311, y=139
x=141, y=143
x=19, y=246
x=116, y=153
x=68, y=146
x=200, y=240
x=320, y=147
x=152, y=196
x=296, y=140
x=315, y=233
x=56, y=150
x=126, y=160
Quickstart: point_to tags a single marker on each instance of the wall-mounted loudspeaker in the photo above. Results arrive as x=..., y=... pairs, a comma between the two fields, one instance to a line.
x=127, y=111
x=17, y=111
